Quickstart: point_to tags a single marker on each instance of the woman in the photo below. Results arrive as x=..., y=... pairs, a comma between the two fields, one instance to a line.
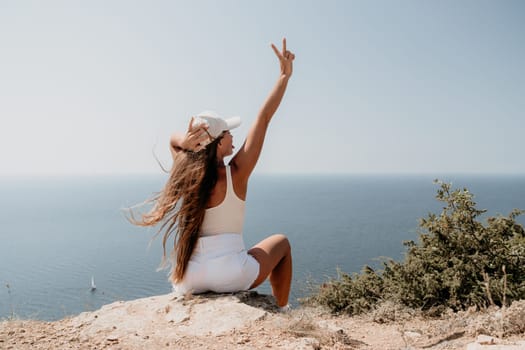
x=203, y=205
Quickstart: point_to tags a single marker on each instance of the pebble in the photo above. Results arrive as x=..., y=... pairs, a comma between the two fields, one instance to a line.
x=412, y=334
x=486, y=340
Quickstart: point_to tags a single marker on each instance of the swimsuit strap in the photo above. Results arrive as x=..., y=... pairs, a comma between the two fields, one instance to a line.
x=229, y=182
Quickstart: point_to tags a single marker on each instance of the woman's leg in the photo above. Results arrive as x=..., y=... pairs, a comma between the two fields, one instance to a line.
x=275, y=260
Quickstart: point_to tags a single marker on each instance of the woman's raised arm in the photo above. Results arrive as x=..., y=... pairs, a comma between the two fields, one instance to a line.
x=246, y=158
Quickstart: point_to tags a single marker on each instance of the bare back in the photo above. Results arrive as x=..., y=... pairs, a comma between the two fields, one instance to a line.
x=219, y=191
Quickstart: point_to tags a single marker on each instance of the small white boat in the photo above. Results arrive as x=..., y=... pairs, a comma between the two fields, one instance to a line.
x=93, y=286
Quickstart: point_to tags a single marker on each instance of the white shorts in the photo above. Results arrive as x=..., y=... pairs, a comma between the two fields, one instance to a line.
x=219, y=264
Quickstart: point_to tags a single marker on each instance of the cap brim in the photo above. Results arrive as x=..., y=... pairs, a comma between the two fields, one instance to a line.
x=233, y=122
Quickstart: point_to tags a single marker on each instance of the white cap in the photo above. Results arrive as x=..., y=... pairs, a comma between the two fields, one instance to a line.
x=216, y=124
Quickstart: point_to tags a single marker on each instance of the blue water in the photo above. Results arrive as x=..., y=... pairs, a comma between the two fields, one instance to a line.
x=57, y=232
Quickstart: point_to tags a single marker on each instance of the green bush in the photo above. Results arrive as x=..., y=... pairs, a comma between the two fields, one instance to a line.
x=457, y=263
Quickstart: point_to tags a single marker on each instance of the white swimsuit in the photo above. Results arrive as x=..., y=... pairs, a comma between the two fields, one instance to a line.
x=220, y=262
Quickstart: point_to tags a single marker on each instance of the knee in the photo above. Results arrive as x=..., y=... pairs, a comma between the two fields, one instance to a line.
x=283, y=240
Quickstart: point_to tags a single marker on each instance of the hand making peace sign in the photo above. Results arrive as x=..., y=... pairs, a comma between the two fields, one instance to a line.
x=285, y=59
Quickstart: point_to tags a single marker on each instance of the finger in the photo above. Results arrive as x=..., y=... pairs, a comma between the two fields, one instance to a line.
x=199, y=130
x=203, y=136
x=192, y=136
x=195, y=125
x=195, y=135
x=277, y=52
x=284, y=45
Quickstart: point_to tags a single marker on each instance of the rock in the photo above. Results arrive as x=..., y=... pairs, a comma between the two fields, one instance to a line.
x=238, y=314
x=520, y=345
x=412, y=334
x=169, y=318
x=244, y=321
x=307, y=344
x=487, y=340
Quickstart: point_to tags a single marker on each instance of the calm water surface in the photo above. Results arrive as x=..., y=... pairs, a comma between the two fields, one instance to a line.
x=55, y=233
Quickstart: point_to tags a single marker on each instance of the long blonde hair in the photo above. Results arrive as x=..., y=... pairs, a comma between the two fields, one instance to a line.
x=181, y=205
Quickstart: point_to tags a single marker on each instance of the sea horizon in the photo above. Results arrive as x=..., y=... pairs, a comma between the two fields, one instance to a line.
x=60, y=231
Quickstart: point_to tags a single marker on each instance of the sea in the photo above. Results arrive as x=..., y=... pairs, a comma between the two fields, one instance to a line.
x=59, y=233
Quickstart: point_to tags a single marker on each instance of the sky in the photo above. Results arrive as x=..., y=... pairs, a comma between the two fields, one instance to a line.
x=386, y=87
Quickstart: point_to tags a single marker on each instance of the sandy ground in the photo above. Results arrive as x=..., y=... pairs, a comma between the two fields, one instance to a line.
x=251, y=321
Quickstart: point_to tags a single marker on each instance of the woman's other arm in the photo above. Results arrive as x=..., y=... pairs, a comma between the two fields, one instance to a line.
x=192, y=140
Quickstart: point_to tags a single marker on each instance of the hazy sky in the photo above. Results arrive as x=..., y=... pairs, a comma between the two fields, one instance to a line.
x=90, y=87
